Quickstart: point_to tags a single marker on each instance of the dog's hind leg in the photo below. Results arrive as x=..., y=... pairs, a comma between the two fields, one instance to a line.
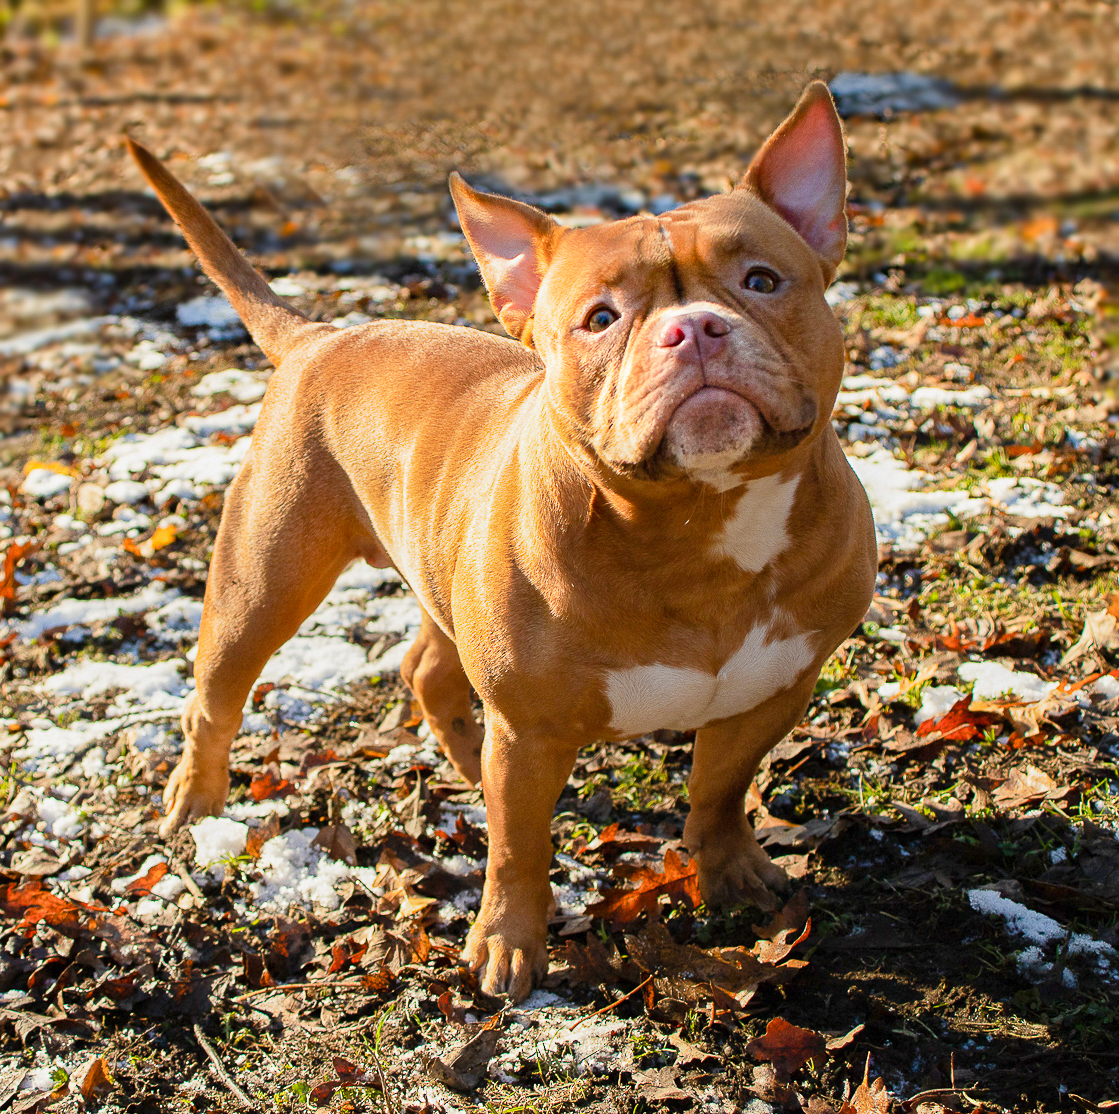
x=282, y=542
x=434, y=673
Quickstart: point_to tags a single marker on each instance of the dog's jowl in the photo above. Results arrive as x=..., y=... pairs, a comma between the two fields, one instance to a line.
x=634, y=514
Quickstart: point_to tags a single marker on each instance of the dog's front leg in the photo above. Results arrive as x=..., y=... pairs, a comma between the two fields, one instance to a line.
x=523, y=775
x=733, y=868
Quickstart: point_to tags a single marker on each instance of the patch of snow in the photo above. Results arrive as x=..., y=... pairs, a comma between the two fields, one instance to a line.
x=903, y=513
x=993, y=681
x=1027, y=497
x=126, y=491
x=926, y=398
x=245, y=386
x=1036, y=927
x=44, y=483
x=24, y=343
x=214, y=311
x=217, y=838
x=936, y=701
x=317, y=662
x=157, y=685
x=1106, y=686
x=840, y=292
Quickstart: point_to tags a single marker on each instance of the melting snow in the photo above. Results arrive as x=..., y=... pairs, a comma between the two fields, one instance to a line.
x=1040, y=930
x=993, y=681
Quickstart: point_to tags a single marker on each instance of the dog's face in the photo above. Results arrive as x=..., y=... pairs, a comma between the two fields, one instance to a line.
x=697, y=342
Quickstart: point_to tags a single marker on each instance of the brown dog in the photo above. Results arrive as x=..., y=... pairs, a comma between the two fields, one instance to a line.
x=637, y=517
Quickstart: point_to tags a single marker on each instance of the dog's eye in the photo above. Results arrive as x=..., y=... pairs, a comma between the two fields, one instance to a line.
x=601, y=318
x=761, y=281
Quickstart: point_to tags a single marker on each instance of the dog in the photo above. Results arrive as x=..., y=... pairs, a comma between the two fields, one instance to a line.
x=631, y=514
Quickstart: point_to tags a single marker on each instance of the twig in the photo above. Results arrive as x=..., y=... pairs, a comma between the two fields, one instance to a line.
x=616, y=1002
x=184, y=876
x=345, y=984
x=219, y=1067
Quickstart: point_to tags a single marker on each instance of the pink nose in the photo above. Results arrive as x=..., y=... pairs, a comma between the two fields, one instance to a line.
x=706, y=330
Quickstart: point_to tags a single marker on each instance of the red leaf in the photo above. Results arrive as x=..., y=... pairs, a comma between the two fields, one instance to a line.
x=324, y=1092
x=958, y=724
x=12, y=558
x=268, y=785
x=260, y=834
x=621, y=907
x=142, y=887
x=37, y=905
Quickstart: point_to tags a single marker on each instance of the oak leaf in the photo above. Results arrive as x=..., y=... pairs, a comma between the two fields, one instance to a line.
x=788, y=1047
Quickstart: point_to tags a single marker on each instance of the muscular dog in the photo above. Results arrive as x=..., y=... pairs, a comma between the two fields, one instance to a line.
x=633, y=515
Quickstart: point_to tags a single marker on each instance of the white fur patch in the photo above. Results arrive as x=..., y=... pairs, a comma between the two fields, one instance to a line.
x=647, y=697
x=759, y=528
x=714, y=469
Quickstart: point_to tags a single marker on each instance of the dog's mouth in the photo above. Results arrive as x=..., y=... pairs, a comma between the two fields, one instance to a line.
x=724, y=422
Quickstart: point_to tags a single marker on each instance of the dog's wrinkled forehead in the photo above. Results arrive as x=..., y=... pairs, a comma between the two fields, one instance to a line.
x=684, y=254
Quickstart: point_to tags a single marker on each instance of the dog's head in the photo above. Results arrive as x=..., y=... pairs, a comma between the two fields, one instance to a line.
x=694, y=342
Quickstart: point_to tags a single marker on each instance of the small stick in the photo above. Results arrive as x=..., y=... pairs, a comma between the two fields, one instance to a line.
x=191, y=885
x=617, y=1002
x=219, y=1067
x=345, y=984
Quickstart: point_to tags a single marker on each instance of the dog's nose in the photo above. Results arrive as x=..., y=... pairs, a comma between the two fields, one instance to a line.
x=704, y=329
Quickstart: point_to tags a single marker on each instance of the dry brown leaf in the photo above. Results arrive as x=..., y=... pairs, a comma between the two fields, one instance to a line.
x=869, y=1098
x=1020, y=788
x=788, y=1047
x=1101, y=630
x=338, y=842
x=467, y=1067
x=98, y=1082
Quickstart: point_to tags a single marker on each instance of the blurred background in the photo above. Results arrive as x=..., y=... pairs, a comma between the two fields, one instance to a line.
x=984, y=138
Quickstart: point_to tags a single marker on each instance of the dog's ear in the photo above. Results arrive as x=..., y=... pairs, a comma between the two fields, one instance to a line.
x=513, y=244
x=801, y=172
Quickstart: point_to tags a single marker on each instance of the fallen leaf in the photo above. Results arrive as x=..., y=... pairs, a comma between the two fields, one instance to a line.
x=788, y=1047
x=98, y=1082
x=688, y=1054
x=338, y=842
x=869, y=1098
x=13, y=556
x=467, y=1067
x=35, y=863
x=268, y=785
x=1020, y=788
x=142, y=887
x=260, y=834
x=50, y=466
x=958, y=724
x=1101, y=631
x=622, y=907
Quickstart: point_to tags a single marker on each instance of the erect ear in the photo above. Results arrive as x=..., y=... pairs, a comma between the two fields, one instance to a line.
x=801, y=172
x=513, y=244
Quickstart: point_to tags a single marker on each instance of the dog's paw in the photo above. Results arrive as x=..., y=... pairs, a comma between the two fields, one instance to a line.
x=509, y=959
x=192, y=792
x=739, y=875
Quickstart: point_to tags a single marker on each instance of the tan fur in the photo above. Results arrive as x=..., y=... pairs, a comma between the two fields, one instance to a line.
x=529, y=499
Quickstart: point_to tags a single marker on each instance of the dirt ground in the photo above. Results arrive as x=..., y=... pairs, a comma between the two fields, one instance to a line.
x=952, y=828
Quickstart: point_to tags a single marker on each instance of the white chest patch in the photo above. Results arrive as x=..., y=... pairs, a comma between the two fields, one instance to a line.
x=759, y=528
x=648, y=697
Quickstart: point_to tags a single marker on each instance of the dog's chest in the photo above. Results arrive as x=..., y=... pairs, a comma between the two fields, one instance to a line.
x=644, y=698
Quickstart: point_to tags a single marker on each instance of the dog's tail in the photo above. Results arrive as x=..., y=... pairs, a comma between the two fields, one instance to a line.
x=274, y=324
